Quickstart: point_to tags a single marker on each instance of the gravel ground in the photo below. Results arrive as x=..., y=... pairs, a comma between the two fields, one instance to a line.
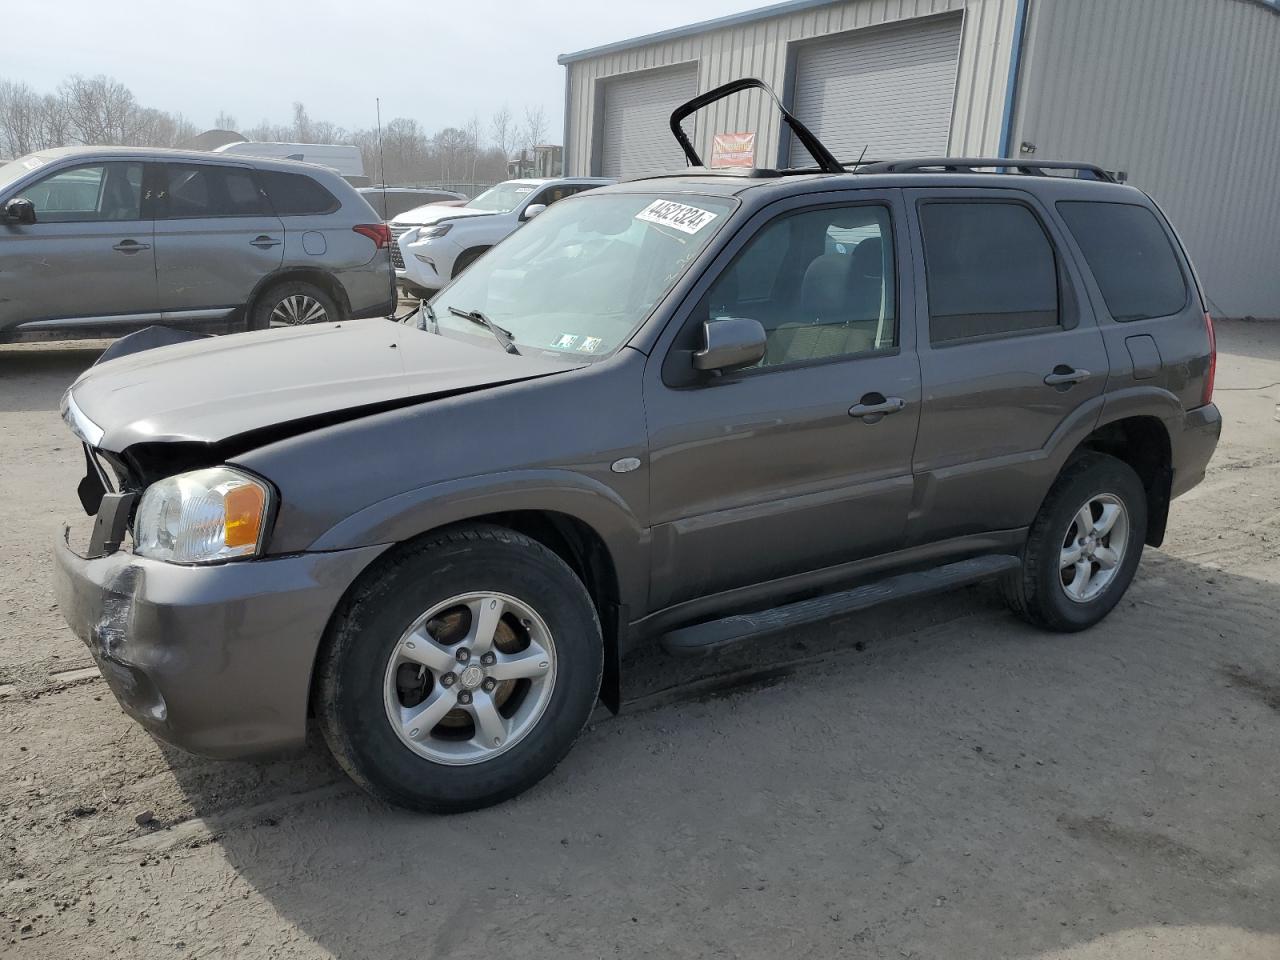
x=926, y=780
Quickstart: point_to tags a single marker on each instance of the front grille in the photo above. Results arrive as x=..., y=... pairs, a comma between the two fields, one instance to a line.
x=397, y=258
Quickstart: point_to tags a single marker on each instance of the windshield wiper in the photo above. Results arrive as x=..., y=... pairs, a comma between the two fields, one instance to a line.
x=501, y=334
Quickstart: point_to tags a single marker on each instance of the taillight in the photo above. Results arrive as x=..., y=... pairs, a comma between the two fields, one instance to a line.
x=379, y=233
x=1207, y=395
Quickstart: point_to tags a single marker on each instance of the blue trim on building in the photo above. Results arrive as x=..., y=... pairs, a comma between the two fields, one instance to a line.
x=1015, y=70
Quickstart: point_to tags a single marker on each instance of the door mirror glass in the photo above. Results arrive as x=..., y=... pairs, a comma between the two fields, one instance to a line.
x=532, y=210
x=20, y=210
x=730, y=343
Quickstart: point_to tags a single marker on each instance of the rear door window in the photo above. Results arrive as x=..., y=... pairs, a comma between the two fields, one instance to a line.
x=990, y=268
x=295, y=195
x=195, y=190
x=1130, y=256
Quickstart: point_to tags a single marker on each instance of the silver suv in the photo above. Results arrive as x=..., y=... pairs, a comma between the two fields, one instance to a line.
x=99, y=241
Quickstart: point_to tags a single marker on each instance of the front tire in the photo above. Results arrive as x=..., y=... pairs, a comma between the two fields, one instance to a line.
x=461, y=671
x=1084, y=546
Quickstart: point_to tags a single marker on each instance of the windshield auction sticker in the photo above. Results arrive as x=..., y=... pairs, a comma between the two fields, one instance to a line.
x=680, y=216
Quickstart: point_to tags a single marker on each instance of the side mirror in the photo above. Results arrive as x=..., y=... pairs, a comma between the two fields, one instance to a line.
x=532, y=210
x=730, y=343
x=20, y=210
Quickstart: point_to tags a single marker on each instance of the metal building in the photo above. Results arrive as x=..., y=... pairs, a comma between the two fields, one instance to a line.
x=1183, y=96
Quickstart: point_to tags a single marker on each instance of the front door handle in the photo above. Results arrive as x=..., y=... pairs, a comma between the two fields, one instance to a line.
x=1065, y=376
x=873, y=407
x=131, y=246
x=264, y=242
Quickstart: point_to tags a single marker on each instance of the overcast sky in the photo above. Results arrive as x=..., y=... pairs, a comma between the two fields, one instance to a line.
x=435, y=62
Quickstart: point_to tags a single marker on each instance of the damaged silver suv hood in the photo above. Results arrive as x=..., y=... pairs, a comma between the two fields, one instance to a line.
x=210, y=391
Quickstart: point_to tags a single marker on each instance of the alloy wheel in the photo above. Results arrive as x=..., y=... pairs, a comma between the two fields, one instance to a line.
x=1093, y=547
x=470, y=678
x=299, y=309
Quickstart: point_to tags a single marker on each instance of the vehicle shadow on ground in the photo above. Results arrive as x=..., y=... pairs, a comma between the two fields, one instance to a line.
x=956, y=784
x=33, y=377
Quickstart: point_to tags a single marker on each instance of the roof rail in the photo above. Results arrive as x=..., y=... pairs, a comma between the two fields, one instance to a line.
x=1036, y=168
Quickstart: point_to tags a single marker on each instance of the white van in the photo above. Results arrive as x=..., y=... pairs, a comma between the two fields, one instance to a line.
x=344, y=158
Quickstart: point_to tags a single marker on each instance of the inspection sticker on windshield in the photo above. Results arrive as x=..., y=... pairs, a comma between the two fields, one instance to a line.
x=590, y=344
x=681, y=216
x=565, y=341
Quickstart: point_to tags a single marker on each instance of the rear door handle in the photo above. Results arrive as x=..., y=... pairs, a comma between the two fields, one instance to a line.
x=1064, y=375
x=264, y=242
x=131, y=246
x=875, y=406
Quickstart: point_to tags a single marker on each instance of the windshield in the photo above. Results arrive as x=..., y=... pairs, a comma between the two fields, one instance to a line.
x=503, y=198
x=581, y=277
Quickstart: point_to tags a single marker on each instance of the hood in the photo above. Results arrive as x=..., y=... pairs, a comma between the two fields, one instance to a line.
x=434, y=213
x=210, y=391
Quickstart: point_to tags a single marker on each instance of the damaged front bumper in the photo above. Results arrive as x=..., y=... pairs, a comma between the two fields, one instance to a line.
x=214, y=659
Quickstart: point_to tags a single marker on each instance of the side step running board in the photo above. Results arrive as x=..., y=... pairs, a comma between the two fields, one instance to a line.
x=704, y=637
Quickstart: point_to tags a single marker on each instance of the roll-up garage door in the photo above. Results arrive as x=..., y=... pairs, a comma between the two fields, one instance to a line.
x=886, y=89
x=636, y=138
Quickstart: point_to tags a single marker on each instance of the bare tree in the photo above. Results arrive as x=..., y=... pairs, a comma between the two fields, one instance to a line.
x=535, y=127
x=20, y=109
x=101, y=110
x=474, y=146
x=502, y=130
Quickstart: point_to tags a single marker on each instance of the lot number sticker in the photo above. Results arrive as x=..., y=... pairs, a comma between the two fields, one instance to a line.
x=679, y=216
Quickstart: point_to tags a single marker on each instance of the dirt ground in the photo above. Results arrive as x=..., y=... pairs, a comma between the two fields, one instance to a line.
x=927, y=780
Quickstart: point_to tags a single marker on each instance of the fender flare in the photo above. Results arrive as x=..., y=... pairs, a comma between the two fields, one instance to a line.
x=430, y=507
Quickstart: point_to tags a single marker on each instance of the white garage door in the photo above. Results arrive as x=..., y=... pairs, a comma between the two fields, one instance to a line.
x=888, y=90
x=637, y=138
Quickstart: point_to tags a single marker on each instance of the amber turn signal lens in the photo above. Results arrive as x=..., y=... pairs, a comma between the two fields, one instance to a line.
x=246, y=505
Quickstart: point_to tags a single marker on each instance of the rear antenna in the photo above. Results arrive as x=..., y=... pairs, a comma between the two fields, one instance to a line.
x=382, y=165
x=857, y=163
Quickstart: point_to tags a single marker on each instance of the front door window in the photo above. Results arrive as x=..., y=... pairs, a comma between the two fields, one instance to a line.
x=88, y=194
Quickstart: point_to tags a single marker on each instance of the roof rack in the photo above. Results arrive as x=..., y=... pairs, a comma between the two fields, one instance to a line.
x=1037, y=168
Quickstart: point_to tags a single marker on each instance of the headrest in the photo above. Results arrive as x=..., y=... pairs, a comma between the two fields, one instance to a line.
x=825, y=290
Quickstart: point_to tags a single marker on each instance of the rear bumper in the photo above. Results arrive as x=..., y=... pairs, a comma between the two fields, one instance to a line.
x=215, y=660
x=1193, y=447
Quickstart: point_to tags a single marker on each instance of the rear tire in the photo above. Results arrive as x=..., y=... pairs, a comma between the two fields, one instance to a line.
x=431, y=700
x=1083, y=547
x=293, y=303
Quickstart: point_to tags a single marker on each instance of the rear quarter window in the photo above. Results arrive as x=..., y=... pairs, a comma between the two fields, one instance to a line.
x=1129, y=254
x=296, y=195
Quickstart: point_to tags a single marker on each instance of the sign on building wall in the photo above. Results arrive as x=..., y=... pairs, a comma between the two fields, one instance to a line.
x=733, y=150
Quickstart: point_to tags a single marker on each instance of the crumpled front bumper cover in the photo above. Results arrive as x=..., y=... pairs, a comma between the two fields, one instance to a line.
x=217, y=659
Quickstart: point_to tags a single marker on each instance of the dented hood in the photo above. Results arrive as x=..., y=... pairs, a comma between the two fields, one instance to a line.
x=210, y=391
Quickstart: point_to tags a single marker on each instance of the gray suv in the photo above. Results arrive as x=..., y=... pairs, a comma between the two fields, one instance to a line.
x=99, y=241
x=689, y=410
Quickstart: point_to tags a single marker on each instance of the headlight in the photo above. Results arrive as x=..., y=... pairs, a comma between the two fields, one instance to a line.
x=202, y=517
x=431, y=233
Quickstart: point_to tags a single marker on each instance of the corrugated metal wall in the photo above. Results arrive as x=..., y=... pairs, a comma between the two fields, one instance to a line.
x=760, y=48
x=1184, y=95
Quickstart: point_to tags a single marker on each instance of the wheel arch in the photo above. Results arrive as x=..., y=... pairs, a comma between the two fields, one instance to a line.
x=323, y=279
x=469, y=256
x=1143, y=442
x=587, y=540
